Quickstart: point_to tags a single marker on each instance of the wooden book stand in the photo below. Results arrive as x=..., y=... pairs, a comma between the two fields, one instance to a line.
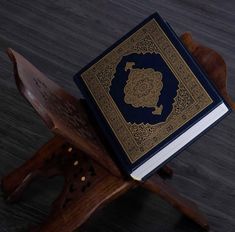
x=76, y=152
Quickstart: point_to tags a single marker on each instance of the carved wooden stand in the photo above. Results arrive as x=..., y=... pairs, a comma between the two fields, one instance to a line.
x=76, y=152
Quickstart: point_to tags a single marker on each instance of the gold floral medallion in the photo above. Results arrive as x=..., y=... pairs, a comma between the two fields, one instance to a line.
x=143, y=88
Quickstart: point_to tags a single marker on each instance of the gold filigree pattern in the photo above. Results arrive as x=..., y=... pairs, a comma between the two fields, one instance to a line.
x=143, y=88
x=191, y=99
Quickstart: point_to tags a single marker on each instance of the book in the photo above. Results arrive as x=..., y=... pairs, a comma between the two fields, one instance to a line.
x=149, y=96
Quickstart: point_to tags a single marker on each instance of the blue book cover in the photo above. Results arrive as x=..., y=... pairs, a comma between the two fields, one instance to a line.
x=149, y=97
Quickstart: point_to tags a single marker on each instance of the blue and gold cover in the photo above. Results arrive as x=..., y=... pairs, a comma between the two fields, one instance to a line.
x=145, y=90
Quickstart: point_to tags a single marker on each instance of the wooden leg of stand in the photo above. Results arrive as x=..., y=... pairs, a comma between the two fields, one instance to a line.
x=87, y=185
x=14, y=183
x=72, y=209
x=185, y=206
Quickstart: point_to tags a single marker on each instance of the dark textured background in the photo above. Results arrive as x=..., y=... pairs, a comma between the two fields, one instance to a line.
x=60, y=37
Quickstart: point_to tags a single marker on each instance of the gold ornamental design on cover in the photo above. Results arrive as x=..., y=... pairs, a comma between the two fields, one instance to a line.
x=137, y=139
x=143, y=88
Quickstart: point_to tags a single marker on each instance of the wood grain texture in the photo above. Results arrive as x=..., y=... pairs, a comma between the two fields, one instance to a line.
x=60, y=37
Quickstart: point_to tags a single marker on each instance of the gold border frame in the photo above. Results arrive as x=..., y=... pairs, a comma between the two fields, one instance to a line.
x=116, y=121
